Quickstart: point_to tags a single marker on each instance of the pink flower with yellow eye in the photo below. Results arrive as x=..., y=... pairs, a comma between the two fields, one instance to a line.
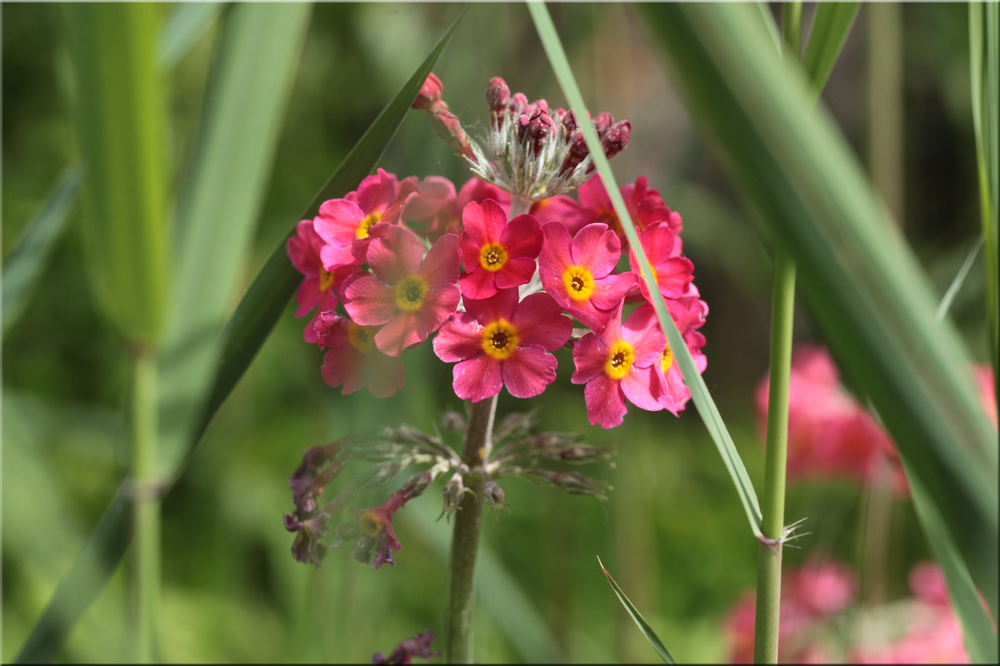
x=437, y=210
x=304, y=252
x=410, y=295
x=345, y=223
x=577, y=271
x=499, y=342
x=644, y=206
x=620, y=362
x=688, y=314
x=672, y=272
x=352, y=360
x=496, y=254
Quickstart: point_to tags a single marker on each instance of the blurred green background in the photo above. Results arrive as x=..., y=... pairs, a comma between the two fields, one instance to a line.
x=673, y=533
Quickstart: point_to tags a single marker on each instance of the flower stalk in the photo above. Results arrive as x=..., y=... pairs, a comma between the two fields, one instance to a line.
x=776, y=454
x=145, y=509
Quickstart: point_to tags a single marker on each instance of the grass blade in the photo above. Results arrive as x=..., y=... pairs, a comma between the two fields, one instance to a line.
x=119, y=105
x=956, y=284
x=636, y=616
x=221, y=200
x=699, y=392
x=242, y=338
x=868, y=292
x=830, y=27
x=772, y=28
x=186, y=23
x=25, y=263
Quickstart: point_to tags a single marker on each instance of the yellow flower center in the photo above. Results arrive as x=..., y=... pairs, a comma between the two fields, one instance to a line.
x=410, y=293
x=500, y=339
x=325, y=279
x=579, y=283
x=492, y=256
x=367, y=224
x=371, y=524
x=360, y=337
x=620, y=359
x=667, y=358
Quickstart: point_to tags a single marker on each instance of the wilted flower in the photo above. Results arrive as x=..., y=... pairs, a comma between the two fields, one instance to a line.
x=373, y=529
x=403, y=653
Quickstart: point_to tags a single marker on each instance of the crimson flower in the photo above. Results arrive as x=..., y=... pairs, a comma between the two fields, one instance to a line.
x=345, y=223
x=410, y=294
x=644, y=205
x=496, y=254
x=437, y=210
x=352, y=360
x=577, y=271
x=620, y=362
x=672, y=272
x=499, y=342
x=688, y=314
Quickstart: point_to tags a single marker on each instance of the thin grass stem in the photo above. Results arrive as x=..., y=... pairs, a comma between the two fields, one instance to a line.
x=145, y=509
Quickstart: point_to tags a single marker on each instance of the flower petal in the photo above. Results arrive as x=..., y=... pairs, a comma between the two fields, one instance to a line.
x=555, y=256
x=605, y=402
x=589, y=355
x=517, y=271
x=499, y=306
x=459, y=338
x=478, y=284
x=528, y=371
x=539, y=321
x=398, y=334
x=598, y=248
x=522, y=237
x=644, y=387
x=477, y=378
x=395, y=252
x=369, y=302
x=440, y=266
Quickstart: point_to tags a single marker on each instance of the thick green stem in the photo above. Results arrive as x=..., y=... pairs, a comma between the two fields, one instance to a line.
x=465, y=539
x=145, y=509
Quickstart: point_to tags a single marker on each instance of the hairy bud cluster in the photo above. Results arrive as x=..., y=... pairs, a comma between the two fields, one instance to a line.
x=537, y=152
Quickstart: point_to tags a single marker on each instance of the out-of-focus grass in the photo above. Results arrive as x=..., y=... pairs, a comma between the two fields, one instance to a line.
x=671, y=527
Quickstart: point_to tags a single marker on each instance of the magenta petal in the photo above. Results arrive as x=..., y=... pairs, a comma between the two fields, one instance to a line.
x=644, y=387
x=605, y=402
x=494, y=221
x=395, y=252
x=307, y=296
x=555, y=256
x=673, y=276
x=474, y=224
x=597, y=248
x=468, y=248
x=369, y=302
x=556, y=288
x=539, y=321
x=334, y=256
x=590, y=316
x=338, y=221
x=589, y=356
x=477, y=378
x=610, y=290
x=642, y=331
x=398, y=334
x=439, y=303
x=341, y=366
x=499, y=306
x=528, y=371
x=676, y=393
x=516, y=271
x=478, y=284
x=522, y=237
x=458, y=339
x=440, y=266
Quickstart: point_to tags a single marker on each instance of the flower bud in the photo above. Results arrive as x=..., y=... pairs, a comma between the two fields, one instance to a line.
x=602, y=123
x=616, y=138
x=517, y=102
x=452, y=493
x=498, y=95
x=429, y=97
x=494, y=495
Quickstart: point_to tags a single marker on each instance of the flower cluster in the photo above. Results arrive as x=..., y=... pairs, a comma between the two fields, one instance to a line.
x=495, y=287
x=815, y=605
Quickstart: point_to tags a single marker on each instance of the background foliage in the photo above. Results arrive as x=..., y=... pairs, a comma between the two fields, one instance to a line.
x=673, y=533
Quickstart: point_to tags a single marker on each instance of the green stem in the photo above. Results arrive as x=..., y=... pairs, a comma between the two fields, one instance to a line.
x=145, y=508
x=465, y=539
x=885, y=103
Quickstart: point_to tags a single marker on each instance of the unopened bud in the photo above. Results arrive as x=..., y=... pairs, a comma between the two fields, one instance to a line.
x=539, y=130
x=498, y=95
x=494, y=495
x=417, y=484
x=452, y=493
x=569, y=121
x=430, y=94
x=602, y=123
x=577, y=152
x=616, y=138
x=541, y=105
x=449, y=128
x=517, y=102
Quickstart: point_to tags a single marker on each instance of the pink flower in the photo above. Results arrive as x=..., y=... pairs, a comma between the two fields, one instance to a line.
x=928, y=584
x=437, y=210
x=620, y=363
x=345, y=223
x=411, y=295
x=821, y=586
x=688, y=314
x=644, y=207
x=987, y=392
x=672, y=272
x=496, y=254
x=317, y=287
x=556, y=209
x=352, y=360
x=499, y=342
x=577, y=272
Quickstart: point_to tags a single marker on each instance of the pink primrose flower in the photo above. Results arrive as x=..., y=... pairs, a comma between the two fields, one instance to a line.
x=352, y=360
x=496, y=254
x=644, y=207
x=688, y=314
x=437, y=210
x=345, y=223
x=577, y=272
x=556, y=209
x=500, y=342
x=620, y=362
x=821, y=586
x=410, y=294
x=672, y=272
x=928, y=584
x=317, y=287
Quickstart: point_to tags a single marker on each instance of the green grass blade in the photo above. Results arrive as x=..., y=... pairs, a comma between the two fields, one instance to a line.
x=956, y=284
x=81, y=584
x=980, y=640
x=119, y=104
x=769, y=24
x=636, y=616
x=186, y=23
x=870, y=296
x=221, y=199
x=830, y=27
x=699, y=392
x=26, y=262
